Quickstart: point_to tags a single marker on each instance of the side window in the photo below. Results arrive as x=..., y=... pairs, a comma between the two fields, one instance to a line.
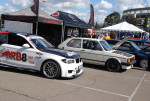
x=125, y=47
x=87, y=44
x=3, y=38
x=97, y=46
x=16, y=40
x=76, y=43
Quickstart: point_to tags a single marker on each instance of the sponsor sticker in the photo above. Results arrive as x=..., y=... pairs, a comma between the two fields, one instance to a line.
x=31, y=62
x=30, y=57
x=14, y=56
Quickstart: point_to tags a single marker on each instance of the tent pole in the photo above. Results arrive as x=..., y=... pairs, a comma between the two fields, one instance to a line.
x=1, y=25
x=63, y=29
x=36, y=27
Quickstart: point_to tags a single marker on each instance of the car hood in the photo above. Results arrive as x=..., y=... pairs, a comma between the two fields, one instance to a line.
x=120, y=43
x=122, y=53
x=66, y=54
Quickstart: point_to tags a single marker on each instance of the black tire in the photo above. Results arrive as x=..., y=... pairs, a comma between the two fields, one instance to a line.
x=51, y=69
x=113, y=65
x=144, y=63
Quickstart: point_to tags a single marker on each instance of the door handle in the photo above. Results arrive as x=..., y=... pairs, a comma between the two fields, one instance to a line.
x=82, y=50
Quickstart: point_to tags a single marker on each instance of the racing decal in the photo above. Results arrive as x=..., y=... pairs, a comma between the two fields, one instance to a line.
x=71, y=53
x=31, y=62
x=72, y=17
x=55, y=15
x=24, y=57
x=14, y=56
x=30, y=57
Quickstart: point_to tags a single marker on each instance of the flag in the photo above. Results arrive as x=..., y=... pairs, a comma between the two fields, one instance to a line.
x=91, y=21
x=35, y=7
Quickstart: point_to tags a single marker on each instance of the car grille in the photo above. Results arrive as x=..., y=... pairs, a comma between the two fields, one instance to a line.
x=78, y=60
x=132, y=59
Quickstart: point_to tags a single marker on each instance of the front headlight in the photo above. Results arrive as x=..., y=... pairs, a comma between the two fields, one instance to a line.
x=68, y=61
x=128, y=60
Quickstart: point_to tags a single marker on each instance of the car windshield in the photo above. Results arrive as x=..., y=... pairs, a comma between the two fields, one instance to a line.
x=105, y=45
x=41, y=43
x=135, y=46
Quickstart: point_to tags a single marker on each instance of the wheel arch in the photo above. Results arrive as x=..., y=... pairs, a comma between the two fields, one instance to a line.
x=112, y=59
x=50, y=60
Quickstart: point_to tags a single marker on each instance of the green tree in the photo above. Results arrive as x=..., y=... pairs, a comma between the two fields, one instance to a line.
x=145, y=24
x=132, y=20
x=111, y=19
x=97, y=26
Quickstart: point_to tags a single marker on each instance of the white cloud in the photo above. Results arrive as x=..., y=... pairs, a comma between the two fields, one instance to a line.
x=148, y=3
x=101, y=10
x=121, y=5
x=103, y=5
x=78, y=7
x=6, y=9
x=20, y=3
x=65, y=4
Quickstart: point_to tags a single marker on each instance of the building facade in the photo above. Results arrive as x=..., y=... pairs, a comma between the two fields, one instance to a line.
x=139, y=13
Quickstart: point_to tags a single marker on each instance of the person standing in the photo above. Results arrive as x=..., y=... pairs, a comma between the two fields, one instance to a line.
x=106, y=37
x=94, y=35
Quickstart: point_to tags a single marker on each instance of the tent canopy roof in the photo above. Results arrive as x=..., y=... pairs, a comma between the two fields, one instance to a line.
x=123, y=27
x=70, y=20
x=27, y=15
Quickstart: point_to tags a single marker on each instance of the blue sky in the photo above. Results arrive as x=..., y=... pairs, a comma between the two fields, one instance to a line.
x=81, y=8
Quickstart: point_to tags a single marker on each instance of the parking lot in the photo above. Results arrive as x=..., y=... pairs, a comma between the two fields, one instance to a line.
x=95, y=84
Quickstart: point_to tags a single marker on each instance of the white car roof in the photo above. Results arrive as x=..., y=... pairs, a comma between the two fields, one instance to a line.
x=87, y=39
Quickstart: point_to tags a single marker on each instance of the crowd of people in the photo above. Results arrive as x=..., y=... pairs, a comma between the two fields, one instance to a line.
x=100, y=36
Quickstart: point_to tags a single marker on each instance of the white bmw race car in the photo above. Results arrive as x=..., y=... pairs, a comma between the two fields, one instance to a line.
x=35, y=53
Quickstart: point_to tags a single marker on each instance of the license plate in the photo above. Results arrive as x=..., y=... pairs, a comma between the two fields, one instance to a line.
x=78, y=68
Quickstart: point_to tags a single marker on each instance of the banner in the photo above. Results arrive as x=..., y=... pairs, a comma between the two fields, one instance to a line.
x=91, y=21
x=35, y=7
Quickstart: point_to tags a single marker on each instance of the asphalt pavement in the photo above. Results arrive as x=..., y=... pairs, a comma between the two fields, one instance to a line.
x=95, y=84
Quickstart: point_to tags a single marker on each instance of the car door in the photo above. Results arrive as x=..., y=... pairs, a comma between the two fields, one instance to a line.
x=91, y=51
x=16, y=54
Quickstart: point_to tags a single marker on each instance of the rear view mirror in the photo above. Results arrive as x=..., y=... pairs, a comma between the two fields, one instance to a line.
x=26, y=45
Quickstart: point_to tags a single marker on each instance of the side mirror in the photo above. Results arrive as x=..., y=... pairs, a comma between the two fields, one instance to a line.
x=26, y=45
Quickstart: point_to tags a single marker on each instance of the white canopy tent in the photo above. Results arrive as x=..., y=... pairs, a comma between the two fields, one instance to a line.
x=123, y=27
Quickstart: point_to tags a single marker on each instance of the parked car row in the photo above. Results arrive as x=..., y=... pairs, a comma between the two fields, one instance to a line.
x=98, y=51
x=27, y=51
x=141, y=43
x=141, y=55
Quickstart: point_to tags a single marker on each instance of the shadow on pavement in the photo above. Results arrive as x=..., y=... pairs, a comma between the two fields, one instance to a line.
x=22, y=71
x=99, y=67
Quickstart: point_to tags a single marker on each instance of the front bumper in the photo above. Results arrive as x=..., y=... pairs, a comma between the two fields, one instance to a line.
x=72, y=70
x=128, y=65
